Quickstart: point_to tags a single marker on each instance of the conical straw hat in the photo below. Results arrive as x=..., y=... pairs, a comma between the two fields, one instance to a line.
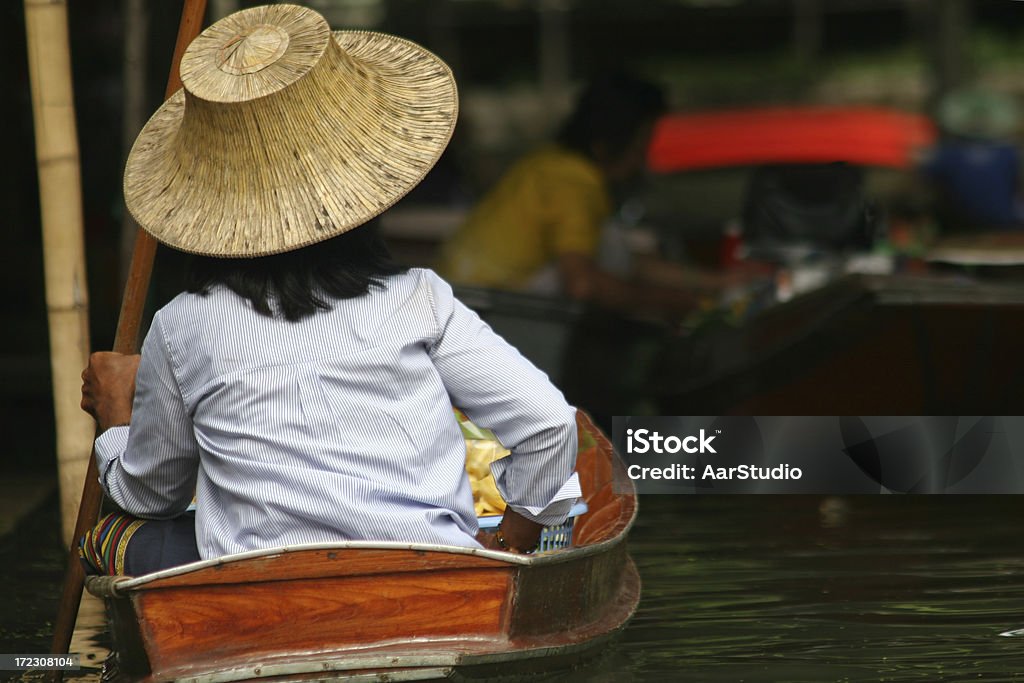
x=286, y=134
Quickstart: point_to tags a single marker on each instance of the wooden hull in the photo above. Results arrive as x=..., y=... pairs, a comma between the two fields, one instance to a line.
x=862, y=345
x=373, y=611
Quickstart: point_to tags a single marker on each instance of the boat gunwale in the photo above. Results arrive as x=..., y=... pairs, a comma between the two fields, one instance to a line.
x=116, y=586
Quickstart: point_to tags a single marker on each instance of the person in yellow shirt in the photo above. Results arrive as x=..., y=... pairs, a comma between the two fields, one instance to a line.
x=541, y=224
x=552, y=202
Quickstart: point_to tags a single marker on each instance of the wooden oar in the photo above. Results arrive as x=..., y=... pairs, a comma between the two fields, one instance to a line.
x=126, y=340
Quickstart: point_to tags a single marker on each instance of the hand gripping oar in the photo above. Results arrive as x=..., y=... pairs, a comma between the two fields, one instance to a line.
x=126, y=340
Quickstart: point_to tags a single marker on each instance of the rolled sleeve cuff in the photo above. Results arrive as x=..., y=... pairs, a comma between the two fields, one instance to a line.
x=555, y=511
x=110, y=445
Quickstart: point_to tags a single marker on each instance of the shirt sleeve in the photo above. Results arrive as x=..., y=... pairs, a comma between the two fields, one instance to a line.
x=499, y=389
x=149, y=468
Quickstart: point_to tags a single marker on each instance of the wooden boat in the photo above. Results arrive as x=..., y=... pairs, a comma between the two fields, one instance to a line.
x=386, y=611
x=860, y=345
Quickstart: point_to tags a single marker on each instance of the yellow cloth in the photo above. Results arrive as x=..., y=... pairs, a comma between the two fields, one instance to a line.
x=553, y=201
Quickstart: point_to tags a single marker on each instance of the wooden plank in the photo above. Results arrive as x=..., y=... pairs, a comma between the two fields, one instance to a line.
x=601, y=498
x=603, y=524
x=595, y=465
x=560, y=598
x=613, y=503
x=588, y=475
x=199, y=627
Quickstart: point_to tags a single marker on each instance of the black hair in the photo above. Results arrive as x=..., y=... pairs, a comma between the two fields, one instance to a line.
x=610, y=111
x=296, y=284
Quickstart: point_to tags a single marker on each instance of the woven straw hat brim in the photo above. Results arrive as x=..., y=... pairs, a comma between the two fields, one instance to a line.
x=321, y=155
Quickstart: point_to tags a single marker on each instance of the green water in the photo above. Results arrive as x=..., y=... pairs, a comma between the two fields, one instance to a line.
x=802, y=588
x=754, y=588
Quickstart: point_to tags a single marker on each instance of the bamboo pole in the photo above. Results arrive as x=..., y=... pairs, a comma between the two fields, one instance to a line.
x=125, y=341
x=60, y=202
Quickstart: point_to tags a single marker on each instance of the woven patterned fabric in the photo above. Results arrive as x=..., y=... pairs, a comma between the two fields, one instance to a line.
x=103, y=547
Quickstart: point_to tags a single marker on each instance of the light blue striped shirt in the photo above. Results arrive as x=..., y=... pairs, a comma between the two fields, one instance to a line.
x=338, y=427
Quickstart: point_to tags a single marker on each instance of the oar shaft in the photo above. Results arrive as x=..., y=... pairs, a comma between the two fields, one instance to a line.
x=126, y=340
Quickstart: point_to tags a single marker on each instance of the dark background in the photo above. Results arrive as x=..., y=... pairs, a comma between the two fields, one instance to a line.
x=707, y=53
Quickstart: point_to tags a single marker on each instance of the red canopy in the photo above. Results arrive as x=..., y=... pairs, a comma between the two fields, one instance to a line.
x=860, y=135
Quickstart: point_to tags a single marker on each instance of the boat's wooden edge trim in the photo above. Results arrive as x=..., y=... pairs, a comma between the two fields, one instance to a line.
x=398, y=667
x=133, y=583
x=325, y=673
x=327, y=663
x=614, y=486
x=115, y=586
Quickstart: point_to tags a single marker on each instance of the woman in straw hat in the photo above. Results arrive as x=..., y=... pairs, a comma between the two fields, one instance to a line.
x=302, y=385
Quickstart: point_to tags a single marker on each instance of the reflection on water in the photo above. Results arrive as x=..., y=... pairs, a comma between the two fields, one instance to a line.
x=91, y=639
x=768, y=588
x=31, y=574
